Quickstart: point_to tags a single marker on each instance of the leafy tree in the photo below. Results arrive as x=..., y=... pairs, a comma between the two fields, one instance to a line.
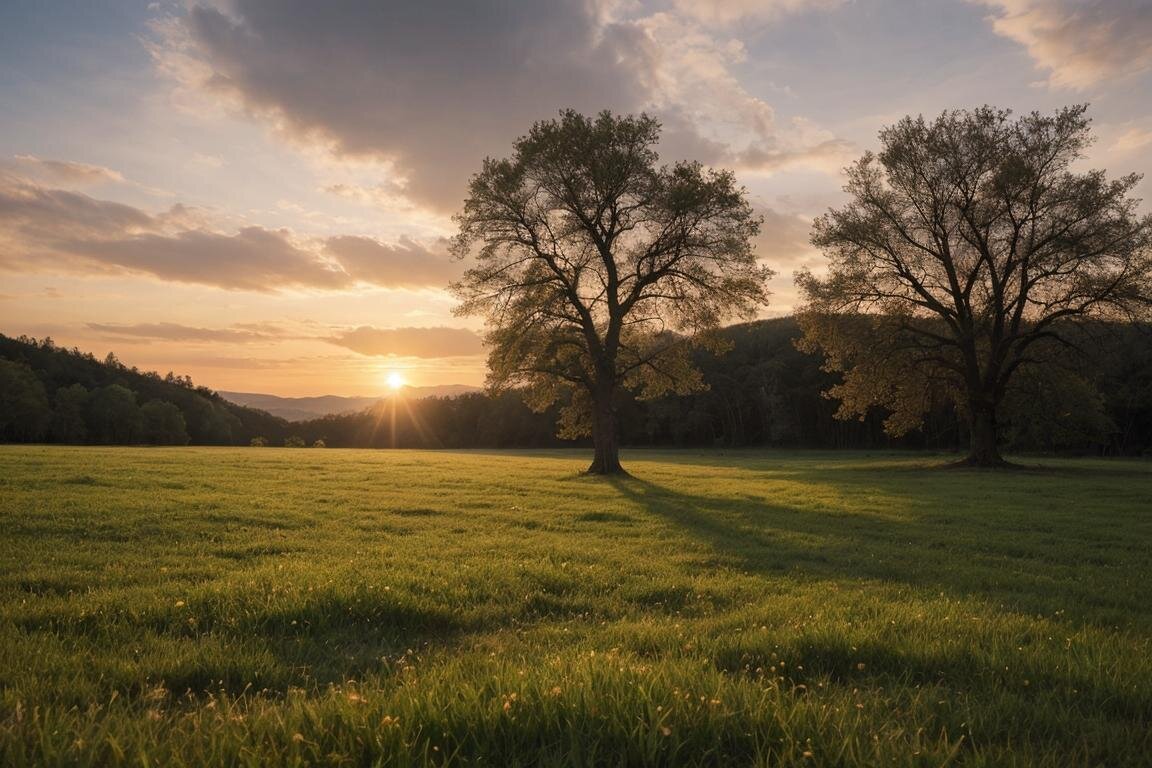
x=114, y=416
x=1055, y=409
x=24, y=410
x=209, y=421
x=967, y=247
x=294, y=441
x=163, y=423
x=598, y=271
x=68, y=417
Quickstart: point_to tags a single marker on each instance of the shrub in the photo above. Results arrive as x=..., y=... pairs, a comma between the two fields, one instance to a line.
x=295, y=441
x=319, y=444
x=259, y=442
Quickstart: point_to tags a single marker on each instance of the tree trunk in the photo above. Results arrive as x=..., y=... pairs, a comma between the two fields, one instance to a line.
x=984, y=435
x=604, y=437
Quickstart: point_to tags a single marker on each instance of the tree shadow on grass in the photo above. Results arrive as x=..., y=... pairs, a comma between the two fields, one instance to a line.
x=1061, y=562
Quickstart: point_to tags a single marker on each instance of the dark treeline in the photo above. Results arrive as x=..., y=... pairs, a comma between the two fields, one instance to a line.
x=763, y=392
x=52, y=394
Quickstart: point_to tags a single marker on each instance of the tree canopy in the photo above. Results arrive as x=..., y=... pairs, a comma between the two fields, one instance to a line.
x=968, y=246
x=599, y=270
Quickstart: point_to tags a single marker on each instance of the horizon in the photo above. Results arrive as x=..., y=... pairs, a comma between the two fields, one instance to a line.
x=202, y=188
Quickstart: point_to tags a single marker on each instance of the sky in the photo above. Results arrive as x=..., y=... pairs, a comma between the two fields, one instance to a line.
x=258, y=193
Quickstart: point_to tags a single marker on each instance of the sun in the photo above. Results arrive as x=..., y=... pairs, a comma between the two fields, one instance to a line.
x=394, y=380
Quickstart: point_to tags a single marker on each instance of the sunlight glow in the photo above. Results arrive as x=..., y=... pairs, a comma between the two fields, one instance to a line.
x=395, y=380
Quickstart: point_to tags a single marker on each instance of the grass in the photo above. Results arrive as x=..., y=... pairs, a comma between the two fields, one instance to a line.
x=297, y=607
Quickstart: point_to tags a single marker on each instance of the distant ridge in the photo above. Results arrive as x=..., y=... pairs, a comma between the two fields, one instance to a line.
x=307, y=408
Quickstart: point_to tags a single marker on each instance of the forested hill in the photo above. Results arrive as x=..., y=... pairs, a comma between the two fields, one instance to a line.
x=762, y=392
x=52, y=394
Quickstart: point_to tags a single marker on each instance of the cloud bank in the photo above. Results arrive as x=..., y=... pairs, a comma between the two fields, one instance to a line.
x=47, y=229
x=429, y=89
x=1079, y=43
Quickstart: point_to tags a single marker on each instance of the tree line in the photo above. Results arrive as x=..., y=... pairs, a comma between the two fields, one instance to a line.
x=58, y=395
x=763, y=391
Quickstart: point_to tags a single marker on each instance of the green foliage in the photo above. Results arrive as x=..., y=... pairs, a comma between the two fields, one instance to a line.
x=1055, y=410
x=598, y=270
x=24, y=410
x=114, y=415
x=967, y=245
x=71, y=380
x=319, y=444
x=294, y=441
x=163, y=423
x=68, y=417
x=258, y=442
x=197, y=607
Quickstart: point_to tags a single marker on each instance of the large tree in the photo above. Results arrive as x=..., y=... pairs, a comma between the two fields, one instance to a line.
x=598, y=270
x=968, y=246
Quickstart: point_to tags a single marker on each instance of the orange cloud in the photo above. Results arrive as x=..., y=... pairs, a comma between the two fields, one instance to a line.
x=410, y=342
x=43, y=229
x=1080, y=43
x=68, y=171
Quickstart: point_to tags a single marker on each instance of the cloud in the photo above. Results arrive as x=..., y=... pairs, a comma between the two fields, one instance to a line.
x=70, y=172
x=1132, y=139
x=411, y=342
x=175, y=332
x=729, y=12
x=253, y=259
x=1080, y=43
x=43, y=229
x=405, y=264
x=429, y=89
x=387, y=196
x=432, y=86
x=783, y=242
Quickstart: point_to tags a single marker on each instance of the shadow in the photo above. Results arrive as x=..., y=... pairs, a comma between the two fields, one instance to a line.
x=1006, y=543
x=242, y=645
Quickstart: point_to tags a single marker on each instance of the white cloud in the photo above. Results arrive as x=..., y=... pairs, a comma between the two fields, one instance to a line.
x=1079, y=43
x=1132, y=139
x=729, y=12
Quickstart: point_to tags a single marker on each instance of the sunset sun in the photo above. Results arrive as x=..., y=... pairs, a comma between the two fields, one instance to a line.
x=394, y=380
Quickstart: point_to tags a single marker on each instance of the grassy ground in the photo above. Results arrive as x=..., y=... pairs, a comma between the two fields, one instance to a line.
x=272, y=606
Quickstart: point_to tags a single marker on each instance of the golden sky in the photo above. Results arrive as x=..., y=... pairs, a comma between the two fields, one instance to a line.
x=258, y=192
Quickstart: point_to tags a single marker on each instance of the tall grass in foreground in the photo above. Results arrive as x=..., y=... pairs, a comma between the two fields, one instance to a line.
x=256, y=607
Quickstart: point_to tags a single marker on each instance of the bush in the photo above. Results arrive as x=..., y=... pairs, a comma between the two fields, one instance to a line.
x=319, y=444
x=295, y=441
x=259, y=442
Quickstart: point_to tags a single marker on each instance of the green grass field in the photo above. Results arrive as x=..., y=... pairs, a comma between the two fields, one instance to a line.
x=270, y=606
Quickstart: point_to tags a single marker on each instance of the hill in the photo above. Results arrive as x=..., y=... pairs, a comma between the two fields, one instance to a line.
x=307, y=408
x=52, y=394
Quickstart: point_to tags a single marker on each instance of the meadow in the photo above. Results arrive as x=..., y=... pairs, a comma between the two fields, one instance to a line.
x=213, y=606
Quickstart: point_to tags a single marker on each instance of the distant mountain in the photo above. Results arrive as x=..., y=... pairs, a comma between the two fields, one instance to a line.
x=307, y=408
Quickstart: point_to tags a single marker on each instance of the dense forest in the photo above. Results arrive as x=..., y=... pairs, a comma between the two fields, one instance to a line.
x=762, y=392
